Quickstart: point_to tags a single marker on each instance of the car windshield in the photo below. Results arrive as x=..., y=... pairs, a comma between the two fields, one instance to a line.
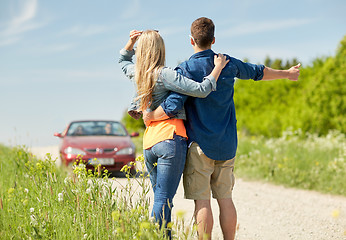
x=96, y=128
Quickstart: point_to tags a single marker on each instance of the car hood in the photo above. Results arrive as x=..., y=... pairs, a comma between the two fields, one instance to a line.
x=97, y=141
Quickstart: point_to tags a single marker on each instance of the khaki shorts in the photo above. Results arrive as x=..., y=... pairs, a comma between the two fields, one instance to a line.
x=202, y=175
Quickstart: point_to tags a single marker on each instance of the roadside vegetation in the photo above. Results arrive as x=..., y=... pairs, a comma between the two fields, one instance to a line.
x=40, y=201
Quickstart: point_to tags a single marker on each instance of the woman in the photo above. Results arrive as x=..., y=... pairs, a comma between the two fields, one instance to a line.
x=164, y=142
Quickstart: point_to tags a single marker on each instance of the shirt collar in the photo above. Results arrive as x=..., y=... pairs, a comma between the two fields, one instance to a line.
x=205, y=53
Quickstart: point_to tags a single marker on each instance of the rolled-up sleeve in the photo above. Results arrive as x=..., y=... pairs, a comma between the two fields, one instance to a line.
x=173, y=103
x=126, y=64
x=248, y=70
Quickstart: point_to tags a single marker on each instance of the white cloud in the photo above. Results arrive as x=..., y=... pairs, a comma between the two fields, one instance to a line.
x=249, y=28
x=20, y=22
x=27, y=12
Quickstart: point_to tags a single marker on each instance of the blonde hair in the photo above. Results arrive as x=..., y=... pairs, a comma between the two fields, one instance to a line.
x=150, y=58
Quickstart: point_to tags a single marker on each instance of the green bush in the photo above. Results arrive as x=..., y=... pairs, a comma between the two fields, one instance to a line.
x=316, y=103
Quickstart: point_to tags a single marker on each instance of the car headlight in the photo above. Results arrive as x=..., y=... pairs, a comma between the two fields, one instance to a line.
x=74, y=151
x=125, y=151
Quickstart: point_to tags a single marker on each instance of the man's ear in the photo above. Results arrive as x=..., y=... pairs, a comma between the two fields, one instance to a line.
x=213, y=41
x=192, y=42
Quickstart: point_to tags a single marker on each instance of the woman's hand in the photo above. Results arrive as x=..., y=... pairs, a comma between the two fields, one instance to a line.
x=220, y=60
x=134, y=34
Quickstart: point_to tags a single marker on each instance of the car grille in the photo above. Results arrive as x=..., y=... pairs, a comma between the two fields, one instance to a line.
x=100, y=150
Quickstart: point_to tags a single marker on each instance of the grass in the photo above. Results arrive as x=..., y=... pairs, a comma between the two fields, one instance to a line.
x=40, y=201
x=298, y=160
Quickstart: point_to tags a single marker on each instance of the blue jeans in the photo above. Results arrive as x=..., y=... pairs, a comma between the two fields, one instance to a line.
x=170, y=156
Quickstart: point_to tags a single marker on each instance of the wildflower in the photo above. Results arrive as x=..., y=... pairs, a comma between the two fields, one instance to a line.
x=32, y=210
x=60, y=197
x=33, y=220
x=88, y=190
x=85, y=236
x=26, y=190
x=124, y=168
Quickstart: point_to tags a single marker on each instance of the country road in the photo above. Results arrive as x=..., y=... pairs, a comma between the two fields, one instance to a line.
x=270, y=212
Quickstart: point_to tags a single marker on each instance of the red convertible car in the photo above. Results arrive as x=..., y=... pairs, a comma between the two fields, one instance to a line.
x=97, y=142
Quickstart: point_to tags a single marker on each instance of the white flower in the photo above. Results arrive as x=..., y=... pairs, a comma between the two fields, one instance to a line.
x=88, y=190
x=67, y=180
x=32, y=210
x=26, y=190
x=33, y=220
x=60, y=197
x=85, y=236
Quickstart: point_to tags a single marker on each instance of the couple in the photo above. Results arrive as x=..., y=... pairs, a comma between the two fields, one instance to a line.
x=210, y=122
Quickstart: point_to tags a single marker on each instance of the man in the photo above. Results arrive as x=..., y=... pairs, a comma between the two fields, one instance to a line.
x=211, y=128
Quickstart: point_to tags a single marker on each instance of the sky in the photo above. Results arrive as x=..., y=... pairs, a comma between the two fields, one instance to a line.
x=59, y=59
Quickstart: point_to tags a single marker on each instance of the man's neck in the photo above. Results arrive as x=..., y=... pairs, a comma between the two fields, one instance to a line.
x=198, y=49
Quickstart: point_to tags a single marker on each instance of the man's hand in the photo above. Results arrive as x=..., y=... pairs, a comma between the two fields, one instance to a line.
x=293, y=72
x=157, y=115
x=146, y=117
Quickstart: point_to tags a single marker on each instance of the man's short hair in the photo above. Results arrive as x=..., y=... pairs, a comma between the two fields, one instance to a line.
x=202, y=30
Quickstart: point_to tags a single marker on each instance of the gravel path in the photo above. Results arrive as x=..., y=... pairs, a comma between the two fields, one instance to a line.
x=269, y=212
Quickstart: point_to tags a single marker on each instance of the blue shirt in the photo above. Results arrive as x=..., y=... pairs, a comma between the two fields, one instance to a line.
x=211, y=121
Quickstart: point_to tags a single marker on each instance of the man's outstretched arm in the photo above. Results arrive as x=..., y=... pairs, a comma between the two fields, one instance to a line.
x=272, y=74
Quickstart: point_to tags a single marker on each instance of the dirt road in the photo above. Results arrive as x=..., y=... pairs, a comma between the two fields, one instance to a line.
x=269, y=212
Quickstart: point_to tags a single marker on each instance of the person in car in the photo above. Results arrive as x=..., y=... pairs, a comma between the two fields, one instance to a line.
x=164, y=142
x=79, y=131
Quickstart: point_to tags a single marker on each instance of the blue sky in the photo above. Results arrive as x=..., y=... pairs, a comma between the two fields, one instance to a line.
x=58, y=59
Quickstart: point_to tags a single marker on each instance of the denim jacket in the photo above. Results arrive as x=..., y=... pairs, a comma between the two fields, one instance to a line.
x=168, y=80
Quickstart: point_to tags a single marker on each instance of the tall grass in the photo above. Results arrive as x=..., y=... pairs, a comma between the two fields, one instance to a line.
x=40, y=201
x=296, y=160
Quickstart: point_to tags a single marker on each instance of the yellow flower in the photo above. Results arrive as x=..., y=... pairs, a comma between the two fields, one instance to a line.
x=124, y=168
